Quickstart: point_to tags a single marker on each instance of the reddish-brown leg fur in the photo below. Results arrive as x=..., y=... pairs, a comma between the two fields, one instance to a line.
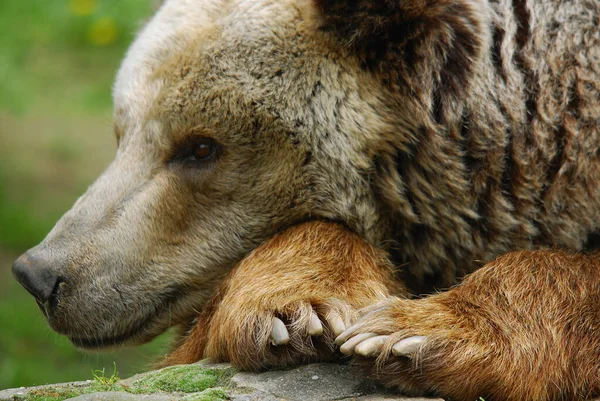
x=524, y=327
x=314, y=266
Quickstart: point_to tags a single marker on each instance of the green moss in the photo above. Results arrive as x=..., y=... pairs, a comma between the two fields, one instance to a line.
x=186, y=379
x=211, y=394
x=102, y=388
x=64, y=393
x=207, y=384
x=50, y=394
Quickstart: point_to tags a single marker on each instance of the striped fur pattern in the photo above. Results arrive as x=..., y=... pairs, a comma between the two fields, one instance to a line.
x=501, y=102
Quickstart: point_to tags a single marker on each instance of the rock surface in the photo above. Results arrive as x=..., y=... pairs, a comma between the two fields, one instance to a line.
x=215, y=382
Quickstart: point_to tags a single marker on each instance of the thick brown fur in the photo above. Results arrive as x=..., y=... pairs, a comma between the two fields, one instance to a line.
x=315, y=266
x=523, y=327
x=503, y=110
x=442, y=133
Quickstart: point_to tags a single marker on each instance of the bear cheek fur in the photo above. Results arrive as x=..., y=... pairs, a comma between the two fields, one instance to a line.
x=298, y=109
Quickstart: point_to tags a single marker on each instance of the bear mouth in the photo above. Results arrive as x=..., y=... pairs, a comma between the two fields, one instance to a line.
x=98, y=343
x=143, y=331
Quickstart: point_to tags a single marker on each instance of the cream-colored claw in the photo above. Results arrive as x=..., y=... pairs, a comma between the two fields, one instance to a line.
x=408, y=346
x=341, y=339
x=315, y=327
x=336, y=323
x=348, y=347
x=371, y=346
x=279, y=333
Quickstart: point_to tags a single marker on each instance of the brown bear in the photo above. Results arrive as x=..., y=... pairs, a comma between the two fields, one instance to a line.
x=379, y=150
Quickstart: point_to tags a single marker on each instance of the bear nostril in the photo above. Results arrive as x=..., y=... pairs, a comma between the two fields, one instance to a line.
x=54, y=300
x=39, y=280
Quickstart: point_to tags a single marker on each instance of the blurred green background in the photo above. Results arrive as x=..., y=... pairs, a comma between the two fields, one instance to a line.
x=58, y=59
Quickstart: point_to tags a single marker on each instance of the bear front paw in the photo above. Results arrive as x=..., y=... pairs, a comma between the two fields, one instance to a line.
x=328, y=319
x=379, y=334
x=417, y=346
x=258, y=337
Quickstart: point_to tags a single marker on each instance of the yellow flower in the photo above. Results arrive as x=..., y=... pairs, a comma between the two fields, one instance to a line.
x=103, y=32
x=83, y=7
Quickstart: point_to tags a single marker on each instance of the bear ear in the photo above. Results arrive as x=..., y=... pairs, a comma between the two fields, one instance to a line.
x=446, y=37
x=424, y=45
x=390, y=21
x=364, y=20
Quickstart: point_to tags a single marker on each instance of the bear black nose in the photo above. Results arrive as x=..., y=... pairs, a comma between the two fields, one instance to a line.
x=37, y=278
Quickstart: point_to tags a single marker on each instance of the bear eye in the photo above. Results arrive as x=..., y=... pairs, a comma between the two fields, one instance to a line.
x=204, y=150
x=195, y=151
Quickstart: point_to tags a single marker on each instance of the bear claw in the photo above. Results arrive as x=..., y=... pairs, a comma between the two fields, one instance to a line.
x=336, y=323
x=315, y=327
x=371, y=344
x=347, y=348
x=346, y=335
x=408, y=346
x=279, y=333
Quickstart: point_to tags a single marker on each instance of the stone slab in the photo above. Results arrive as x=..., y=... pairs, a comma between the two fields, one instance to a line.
x=316, y=382
x=120, y=396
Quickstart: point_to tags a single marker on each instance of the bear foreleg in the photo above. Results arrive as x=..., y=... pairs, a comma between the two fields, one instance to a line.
x=524, y=327
x=287, y=301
